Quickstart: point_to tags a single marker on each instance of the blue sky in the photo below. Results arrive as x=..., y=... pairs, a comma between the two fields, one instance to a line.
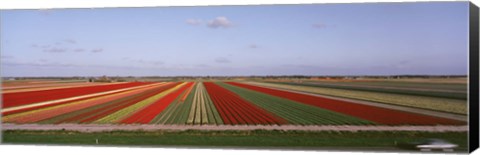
x=324, y=39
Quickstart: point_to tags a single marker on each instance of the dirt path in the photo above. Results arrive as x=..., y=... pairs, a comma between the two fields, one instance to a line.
x=153, y=127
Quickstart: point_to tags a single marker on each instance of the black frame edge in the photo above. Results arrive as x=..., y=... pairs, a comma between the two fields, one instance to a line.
x=473, y=76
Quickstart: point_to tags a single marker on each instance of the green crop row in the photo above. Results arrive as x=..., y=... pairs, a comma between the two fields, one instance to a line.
x=125, y=112
x=432, y=103
x=294, y=112
x=173, y=114
x=196, y=109
x=429, y=93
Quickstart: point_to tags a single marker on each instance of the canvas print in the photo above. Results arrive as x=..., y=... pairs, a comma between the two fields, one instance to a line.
x=366, y=76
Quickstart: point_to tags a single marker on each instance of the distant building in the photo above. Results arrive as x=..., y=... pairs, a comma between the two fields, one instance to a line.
x=101, y=79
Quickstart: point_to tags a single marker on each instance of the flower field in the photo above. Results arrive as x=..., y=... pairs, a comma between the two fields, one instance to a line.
x=190, y=103
x=451, y=105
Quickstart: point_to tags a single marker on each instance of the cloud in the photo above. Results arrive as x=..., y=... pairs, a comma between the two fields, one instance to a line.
x=319, y=25
x=58, y=48
x=141, y=61
x=220, y=22
x=401, y=64
x=79, y=50
x=222, y=60
x=194, y=22
x=58, y=43
x=253, y=46
x=97, y=50
x=40, y=63
x=70, y=41
x=39, y=46
x=201, y=66
x=55, y=50
x=149, y=62
x=6, y=57
x=157, y=62
x=45, y=12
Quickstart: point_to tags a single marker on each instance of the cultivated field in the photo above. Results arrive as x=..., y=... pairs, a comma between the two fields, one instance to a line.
x=210, y=102
x=446, y=95
x=47, y=111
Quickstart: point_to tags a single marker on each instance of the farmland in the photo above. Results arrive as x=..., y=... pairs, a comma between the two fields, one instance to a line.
x=371, y=77
x=220, y=106
x=437, y=96
x=192, y=103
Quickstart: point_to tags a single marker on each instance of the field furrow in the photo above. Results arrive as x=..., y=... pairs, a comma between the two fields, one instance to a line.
x=48, y=112
x=375, y=114
x=147, y=114
x=22, y=98
x=177, y=112
x=294, y=112
x=87, y=115
x=119, y=115
x=237, y=110
x=458, y=106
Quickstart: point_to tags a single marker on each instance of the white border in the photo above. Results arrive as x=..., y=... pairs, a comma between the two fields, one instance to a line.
x=46, y=4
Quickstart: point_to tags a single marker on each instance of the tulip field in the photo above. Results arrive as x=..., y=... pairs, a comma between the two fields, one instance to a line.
x=190, y=103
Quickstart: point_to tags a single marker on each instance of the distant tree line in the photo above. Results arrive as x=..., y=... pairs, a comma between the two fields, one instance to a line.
x=134, y=78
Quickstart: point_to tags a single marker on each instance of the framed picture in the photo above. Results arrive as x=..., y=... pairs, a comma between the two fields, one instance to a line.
x=356, y=77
